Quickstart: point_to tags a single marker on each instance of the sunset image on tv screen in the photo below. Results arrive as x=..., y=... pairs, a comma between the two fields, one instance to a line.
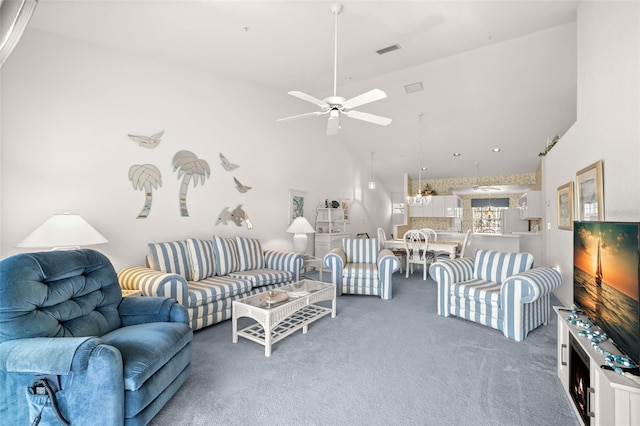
x=606, y=279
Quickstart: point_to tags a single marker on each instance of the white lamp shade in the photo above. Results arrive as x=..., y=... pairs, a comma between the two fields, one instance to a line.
x=300, y=225
x=63, y=231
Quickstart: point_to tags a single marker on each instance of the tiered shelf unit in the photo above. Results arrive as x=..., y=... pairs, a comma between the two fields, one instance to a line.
x=331, y=229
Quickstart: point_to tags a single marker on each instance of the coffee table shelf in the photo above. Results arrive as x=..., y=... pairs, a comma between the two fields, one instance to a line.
x=282, y=319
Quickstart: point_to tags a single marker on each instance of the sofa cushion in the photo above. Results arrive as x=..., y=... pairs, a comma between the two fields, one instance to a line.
x=201, y=259
x=249, y=254
x=481, y=291
x=215, y=288
x=361, y=250
x=260, y=277
x=497, y=266
x=171, y=257
x=226, y=255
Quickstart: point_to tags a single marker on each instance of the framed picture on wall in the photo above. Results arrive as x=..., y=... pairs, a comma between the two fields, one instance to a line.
x=565, y=206
x=590, y=193
x=296, y=203
x=346, y=206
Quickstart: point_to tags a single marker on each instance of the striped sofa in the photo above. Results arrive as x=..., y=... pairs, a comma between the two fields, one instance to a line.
x=359, y=268
x=207, y=275
x=499, y=290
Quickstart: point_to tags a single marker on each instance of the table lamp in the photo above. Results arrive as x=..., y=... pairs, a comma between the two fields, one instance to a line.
x=300, y=227
x=63, y=232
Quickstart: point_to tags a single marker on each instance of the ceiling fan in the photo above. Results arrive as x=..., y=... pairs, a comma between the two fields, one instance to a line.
x=477, y=187
x=336, y=105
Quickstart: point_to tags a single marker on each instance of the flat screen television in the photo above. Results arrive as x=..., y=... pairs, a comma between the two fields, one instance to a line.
x=606, y=283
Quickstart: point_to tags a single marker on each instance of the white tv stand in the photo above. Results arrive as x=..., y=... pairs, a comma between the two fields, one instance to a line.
x=615, y=399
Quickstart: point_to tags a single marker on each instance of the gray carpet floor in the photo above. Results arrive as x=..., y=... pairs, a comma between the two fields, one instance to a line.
x=379, y=362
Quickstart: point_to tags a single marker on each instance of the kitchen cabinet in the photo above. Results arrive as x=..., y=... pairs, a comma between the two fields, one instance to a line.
x=530, y=205
x=452, y=206
x=440, y=206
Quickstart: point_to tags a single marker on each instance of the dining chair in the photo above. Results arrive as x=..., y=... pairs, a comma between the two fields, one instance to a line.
x=416, y=243
x=461, y=248
x=400, y=253
x=433, y=236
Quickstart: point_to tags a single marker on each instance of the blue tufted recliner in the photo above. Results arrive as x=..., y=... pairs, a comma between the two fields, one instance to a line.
x=117, y=360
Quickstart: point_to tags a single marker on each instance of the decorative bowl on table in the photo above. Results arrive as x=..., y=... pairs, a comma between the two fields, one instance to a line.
x=274, y=296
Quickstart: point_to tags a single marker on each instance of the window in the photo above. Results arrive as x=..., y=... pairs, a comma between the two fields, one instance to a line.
x=486, y=214
x=397, y=208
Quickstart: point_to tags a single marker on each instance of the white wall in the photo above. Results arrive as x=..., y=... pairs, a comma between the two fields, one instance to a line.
x=68, y=105
x=608, y=125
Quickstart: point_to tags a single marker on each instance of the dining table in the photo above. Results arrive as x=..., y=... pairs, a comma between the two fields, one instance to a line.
x=450, y=247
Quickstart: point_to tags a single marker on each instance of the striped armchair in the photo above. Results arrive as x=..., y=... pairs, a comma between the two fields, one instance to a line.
x=499, y=290
x=359, y=267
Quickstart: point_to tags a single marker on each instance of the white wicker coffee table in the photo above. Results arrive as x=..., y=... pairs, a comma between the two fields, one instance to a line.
x=288, y=309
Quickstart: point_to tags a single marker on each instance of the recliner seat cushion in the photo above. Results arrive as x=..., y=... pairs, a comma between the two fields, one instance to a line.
x=145, y=348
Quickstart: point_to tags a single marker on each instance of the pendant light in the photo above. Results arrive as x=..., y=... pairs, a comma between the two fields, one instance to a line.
x=418, y=199
x=372, y=183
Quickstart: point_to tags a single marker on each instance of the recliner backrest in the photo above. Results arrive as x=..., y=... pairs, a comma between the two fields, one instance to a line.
x=58, y=294
x=497, y=266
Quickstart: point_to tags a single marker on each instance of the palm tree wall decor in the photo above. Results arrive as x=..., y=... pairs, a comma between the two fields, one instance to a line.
x=189, y=167
x=145, y=177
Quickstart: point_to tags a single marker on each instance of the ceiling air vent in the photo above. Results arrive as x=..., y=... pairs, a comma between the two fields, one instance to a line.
x=388, y=49
x=413, y=87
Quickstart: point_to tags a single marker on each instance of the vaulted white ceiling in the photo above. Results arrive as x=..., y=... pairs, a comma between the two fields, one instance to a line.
x=495, y=73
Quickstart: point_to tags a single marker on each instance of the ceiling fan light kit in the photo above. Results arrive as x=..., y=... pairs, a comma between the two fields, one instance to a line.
x=336, y=105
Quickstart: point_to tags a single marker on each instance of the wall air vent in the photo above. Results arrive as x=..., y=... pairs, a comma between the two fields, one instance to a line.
x=388, y=49
x=413, y=87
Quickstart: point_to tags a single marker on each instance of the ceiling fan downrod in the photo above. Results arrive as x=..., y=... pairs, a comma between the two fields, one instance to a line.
x=336, y=9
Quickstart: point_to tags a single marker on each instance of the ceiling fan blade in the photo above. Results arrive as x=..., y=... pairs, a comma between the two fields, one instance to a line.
x=309, y=98
x=333, y=126
x=365, y=98
x=371, y=118
x=295, y=117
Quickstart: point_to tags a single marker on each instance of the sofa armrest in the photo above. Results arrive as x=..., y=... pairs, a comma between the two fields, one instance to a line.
x=387, y=260
x=284, y=261
x=529, y=286
x=452, y=271
x=388, y=263
x=155, y=283
x=141, y=310
x=448, y=272
x=335, y=261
